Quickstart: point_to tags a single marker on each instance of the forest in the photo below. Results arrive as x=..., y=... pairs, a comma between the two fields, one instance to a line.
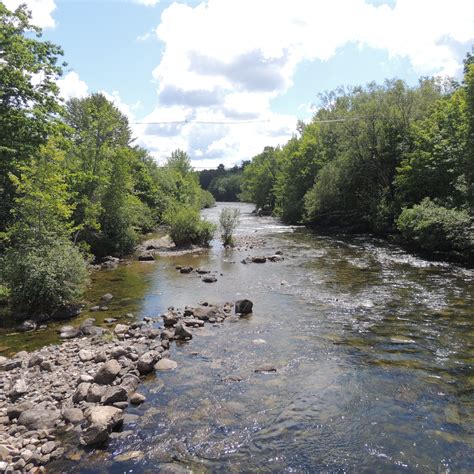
x=73, y=186
x=385, y=159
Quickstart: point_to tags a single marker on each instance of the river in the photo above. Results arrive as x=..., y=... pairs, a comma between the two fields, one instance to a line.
x=373, y=349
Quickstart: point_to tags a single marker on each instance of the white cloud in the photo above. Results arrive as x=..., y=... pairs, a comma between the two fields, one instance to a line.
x=225, y=60
x=41, y=11
x=71, y=86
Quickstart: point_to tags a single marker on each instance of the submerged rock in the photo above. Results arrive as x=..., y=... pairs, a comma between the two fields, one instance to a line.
x=166, y=364
x=265, y=368
x=209, y=279
x=186, y=269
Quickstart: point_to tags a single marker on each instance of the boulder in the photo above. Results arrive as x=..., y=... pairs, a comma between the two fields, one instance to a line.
x=68, y=332
x=165, y=365
x=19, y=388
x=16, y=410
x=108, y=372
x=121, y=329
x=39, y=418
x=130, y=383
x=137, y=398
x=86, y=355
x=34, y=360
x=106, y=298
x=81, y=392
x=28, y=325
x=95, y=393
x=265, y=368
x=146, y=361
x=182, y=332
x=243, y=307
x=94, y=435
x=170, y=318
x=146, y=257
x=186, y=269
x=73, y=415
x=87, y=323
x=118, y=352
x=209, y=279
x=113, y=395
x=202, y=271
x=110, y=417
x=93, y=331
x=66, y=312
x=204, y=312
x=259, y=259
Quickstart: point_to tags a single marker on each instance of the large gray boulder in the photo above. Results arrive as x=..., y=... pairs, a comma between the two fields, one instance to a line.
x=113, y=395
x=69, y=332
x=130, y=383
x=147, y=361
x=108, y=372
x=94, y=435
x=109, y=417
x=182, y=332
x=39, y=418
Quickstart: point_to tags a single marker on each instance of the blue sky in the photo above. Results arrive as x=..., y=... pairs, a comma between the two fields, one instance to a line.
x=238, y=60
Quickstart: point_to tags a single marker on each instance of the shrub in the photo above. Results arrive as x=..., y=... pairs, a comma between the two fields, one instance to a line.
x=436, y=228
x=228, y=222
x=207, y=199
x=187, y=227
x=43, y=277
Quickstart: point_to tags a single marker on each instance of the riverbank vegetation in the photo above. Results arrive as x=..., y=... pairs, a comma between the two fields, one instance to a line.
x=73, y=186
x=385, y=159
x=224, y=184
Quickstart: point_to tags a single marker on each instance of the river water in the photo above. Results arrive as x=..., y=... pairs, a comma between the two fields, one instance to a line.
x=373, y=349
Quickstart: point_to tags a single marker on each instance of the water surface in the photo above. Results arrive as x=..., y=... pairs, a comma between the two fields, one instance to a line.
x=373, y=346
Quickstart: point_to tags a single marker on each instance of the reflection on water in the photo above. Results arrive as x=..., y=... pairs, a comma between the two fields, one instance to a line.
x=373, y=347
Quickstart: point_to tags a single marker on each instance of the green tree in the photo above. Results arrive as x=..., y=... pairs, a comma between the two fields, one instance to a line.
x=260, y=178
x=29, y=102
x=42, y=268
x=116, y=218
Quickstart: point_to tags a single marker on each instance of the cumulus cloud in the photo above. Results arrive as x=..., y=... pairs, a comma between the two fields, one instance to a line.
x=41, y=10
x=71, y=86
x=225, y=60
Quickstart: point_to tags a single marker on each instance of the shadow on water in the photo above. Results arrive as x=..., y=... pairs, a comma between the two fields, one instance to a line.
x=373, y=349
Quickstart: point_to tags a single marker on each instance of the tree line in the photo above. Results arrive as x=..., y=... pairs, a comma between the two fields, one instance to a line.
x=73, y=186
x=385, y=159
x=224, y=184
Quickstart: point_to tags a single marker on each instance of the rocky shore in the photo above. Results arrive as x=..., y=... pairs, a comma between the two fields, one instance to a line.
x=84, y=385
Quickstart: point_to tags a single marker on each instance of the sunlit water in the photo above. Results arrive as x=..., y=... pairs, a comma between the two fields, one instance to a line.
x=373, y=346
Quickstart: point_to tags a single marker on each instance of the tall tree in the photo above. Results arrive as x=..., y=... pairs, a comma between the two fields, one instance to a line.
x=29, y=102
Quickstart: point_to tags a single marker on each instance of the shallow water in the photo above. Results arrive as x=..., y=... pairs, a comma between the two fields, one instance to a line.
x=373, y=346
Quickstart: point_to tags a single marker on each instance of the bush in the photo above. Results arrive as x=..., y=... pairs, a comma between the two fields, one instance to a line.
x=434, y=228
x=207, y=199
x=228, y=222
x=44, y=277
x=187, y=227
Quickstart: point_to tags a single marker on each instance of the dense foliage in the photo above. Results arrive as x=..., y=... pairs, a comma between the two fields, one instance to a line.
x=187, y=227
x=223, y=184
x=382, y=158
x=73, y=187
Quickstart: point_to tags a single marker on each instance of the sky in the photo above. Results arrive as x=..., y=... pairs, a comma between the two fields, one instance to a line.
x=240, y=73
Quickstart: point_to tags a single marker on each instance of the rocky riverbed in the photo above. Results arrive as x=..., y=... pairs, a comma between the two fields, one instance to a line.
x=83, y=386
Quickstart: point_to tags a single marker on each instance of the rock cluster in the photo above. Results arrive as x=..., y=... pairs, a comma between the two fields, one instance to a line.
x=277, y=257
x=84, y=384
